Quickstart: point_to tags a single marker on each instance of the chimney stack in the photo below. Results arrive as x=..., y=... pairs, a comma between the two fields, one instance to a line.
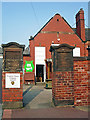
x=80, y=26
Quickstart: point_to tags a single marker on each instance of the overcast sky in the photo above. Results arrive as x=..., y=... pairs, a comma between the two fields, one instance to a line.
x=23, y=19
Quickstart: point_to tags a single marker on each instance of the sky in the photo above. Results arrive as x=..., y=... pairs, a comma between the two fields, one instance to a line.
x=23, y=19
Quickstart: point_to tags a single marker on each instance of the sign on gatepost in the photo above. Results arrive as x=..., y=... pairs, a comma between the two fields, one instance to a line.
x=12, y=80
x=12, y=75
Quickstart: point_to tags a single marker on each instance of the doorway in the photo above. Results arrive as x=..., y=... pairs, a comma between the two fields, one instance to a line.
x=39, y=73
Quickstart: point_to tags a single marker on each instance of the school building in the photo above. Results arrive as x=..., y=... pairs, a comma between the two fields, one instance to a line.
x=55, y=32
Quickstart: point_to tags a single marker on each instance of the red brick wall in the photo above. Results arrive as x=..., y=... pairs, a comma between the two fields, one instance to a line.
x=12, y=94
x=72, y=87
x=62, y=87
x=26, y=58
x=81, y=82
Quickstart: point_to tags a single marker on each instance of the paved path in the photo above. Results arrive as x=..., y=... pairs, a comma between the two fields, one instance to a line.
x=38, y=104
x=37, y=97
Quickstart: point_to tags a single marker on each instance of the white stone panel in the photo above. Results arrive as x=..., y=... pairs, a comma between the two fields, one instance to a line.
x=12, y=80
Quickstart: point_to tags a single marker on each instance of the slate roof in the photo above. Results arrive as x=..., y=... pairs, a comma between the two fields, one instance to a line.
x=45, y=26
x=26, y=51
x=87, y=31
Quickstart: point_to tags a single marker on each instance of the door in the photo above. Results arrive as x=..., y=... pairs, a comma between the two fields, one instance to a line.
x=40, y=73
x=40, y=57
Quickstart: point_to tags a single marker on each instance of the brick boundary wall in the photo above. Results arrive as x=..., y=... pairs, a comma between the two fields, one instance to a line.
x=81, y=70
x=71, y=88
x=12, y=97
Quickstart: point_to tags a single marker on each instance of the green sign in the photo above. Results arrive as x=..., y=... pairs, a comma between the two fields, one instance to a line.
x=29, y=67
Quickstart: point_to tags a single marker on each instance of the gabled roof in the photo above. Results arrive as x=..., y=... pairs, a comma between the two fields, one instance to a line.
x=57, y=24
x=41, y=29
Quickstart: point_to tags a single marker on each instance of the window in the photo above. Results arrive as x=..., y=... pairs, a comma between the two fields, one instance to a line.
x=76, y=52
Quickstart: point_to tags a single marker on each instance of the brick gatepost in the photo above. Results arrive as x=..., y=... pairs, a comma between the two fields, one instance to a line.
x=71, y=75
x=62, y=80
x=12, y=75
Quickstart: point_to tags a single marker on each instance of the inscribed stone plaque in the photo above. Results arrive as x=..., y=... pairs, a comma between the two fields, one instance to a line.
x=62, y=56
x=13, y=60
x=64, y=61
x=12, y=80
